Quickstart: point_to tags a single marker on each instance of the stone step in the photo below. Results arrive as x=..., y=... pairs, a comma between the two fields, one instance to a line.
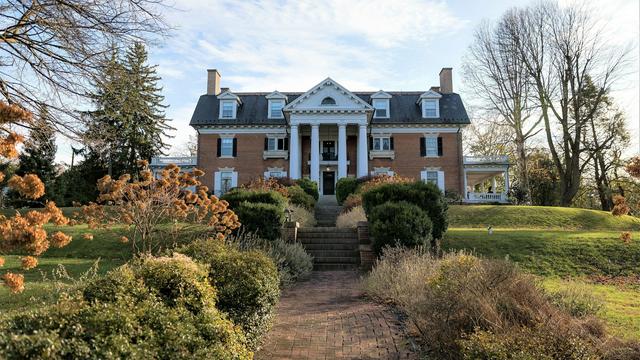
x=325, y=229
x=352, y=242
x=319, y=254
x=337, y=260
x=353, y=246
x=333, y=267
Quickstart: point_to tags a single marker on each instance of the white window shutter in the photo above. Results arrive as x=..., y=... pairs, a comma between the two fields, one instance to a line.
x=217, y=186
x=441, y=180
x=267, y=174
x=423, y=175
x=234, y=179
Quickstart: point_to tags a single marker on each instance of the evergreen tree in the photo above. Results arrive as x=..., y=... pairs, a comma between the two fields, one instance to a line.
x=129, y=122
x=38, y=154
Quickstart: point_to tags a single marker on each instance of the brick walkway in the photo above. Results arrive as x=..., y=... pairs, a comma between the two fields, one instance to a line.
x=327, y=318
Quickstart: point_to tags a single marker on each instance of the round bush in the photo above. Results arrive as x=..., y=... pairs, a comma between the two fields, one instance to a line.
x=399, y=222
x=345, y=187
x=297, y=196
x=263, y=219
x=247, y=284
x=237, y=196
x=177, y=281
x=309, y=186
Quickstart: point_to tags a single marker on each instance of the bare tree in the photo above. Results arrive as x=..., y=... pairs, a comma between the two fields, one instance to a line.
x=189, y=147
x=52, y=50
x=501, y=81
x=561, y=48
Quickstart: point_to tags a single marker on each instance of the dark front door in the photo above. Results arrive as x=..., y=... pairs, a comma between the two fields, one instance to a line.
x=328, y=182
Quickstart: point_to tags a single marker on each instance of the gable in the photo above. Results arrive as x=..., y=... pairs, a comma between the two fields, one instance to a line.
x=324, y=91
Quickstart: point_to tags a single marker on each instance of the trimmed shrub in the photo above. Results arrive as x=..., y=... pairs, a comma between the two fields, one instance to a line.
x=263, y=219
x=298, y=196
x=426, y=196
x=399, y=223
x=247, y=283
x=237, y=196
x=345, y=187
x=351, y=218
x=352, y=201
x=309, y=186
x=151, y=308
x=303, y=216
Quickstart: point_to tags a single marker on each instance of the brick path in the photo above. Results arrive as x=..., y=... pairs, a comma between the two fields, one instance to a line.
x=327, y=318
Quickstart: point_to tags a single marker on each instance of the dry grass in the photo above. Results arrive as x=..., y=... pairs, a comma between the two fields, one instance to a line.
x=303, y=216
x=351, y=218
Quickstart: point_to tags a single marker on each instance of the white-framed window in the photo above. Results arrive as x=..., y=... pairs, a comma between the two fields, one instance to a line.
x=275, y=144
x=431, y=176
x=430, y=108
x=275, y=109
x=381, y=107
x=226, y=147
x=224, y=180
x=381, y=143
x=431, y=145
x=227, y=110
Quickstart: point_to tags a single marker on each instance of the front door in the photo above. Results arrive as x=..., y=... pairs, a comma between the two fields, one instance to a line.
x=328, y=182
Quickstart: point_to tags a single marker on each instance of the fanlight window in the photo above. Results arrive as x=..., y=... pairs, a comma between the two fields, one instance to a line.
x=328, y=101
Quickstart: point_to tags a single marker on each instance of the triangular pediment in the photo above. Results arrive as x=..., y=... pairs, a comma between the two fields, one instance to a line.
x=431, y=95
x=276, y=95
x=328, y=95
x=228, y=95
x=381, y=95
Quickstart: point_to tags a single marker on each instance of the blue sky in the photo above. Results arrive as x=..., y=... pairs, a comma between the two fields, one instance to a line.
x=364, y=45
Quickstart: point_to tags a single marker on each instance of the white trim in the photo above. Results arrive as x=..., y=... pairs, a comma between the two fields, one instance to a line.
x=244, y=130
x=217, y=179
x=281, y=115
x=228, y=95
x=382, y=170
x=332, y=119
x=429, y=95
x=387, y=108
x=276, y=95
x=282, y=171
x=413, y=130
x=441, y=181
x=327, y=82
x=380, y=95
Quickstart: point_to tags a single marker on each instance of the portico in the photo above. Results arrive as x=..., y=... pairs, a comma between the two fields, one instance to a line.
x=321, y=123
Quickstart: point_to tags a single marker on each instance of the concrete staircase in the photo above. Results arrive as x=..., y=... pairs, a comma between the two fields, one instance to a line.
x=331, y=248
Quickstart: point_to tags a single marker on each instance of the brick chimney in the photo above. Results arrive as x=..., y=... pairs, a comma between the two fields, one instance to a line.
x=213, y=82
x=446, y=81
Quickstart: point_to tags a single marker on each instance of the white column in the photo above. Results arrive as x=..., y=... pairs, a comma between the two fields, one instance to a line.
x=506, y=180
x=465, y=194
x=363, y=151
x=342, y=151
x=494, y=185
x=315, y=154
x=294, y=153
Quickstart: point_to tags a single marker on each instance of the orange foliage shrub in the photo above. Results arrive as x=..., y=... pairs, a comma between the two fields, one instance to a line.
x=383, y=179
x=352, y=201
x=270, y=184
x=87, y=236
x=29, y=262
x=1, y=262
x=15, y=282
x=620, y=206
x=626, y=237
x=633, y=167
x=148, y=204
x=60, y=239
x=29, y=186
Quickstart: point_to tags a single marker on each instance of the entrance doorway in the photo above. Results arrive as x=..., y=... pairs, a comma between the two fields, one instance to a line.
x=328, y=182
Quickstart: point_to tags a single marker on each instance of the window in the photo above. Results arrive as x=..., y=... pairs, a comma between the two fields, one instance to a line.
x=226, y=147
x=431, y=177
x=382, y=108
x=381, y=143
x=328, y=101
x=275, y=109
x=226, y=181
x=275, y=144
x=430, y=108
x=432, y=146
x=227, y=109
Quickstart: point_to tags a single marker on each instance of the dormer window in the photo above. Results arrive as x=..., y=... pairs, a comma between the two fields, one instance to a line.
x=328, y=101
x=227, y=109
x=275, y=109
x=381, y=108
x=430, y=108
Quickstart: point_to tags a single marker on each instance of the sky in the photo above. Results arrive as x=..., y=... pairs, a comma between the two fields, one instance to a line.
x=362, y=44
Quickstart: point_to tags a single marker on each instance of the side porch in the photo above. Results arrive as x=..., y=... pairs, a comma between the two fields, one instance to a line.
x=486, y=179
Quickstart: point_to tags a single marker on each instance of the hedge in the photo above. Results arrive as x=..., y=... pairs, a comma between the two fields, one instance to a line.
x=309, y=186
x=345, y=187
x=400, y=223
x=426, y=196
x=247, y=283
x=263, y=219
x=298, y=196
x=237, y=196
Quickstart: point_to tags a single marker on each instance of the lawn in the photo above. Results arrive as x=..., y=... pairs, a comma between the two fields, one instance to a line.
x=563, y=246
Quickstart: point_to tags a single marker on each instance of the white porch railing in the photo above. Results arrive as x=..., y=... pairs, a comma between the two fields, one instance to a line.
x=178, y=160
x=486, y=197
x=494, y=159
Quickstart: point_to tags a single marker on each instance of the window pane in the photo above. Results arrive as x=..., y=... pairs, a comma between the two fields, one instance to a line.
x=432, y=177
x=280, y=144
x=432, y=146
x=381, y=108
x=226, y=148
x=430, y=108
x=226, y=181
x=276, y=109
x=376, y=144
x=385, y=144
x=227, y=110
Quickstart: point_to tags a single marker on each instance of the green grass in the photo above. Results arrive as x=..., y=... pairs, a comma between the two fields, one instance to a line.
x=538, y=217
x=621, y=305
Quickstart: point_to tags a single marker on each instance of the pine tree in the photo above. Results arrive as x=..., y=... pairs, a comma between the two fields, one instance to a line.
x=39, y=152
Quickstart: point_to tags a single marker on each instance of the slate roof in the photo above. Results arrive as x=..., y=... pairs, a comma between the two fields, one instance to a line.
x=404, y=110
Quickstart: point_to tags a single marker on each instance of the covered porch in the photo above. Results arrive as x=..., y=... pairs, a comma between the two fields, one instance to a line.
x=486, y=179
